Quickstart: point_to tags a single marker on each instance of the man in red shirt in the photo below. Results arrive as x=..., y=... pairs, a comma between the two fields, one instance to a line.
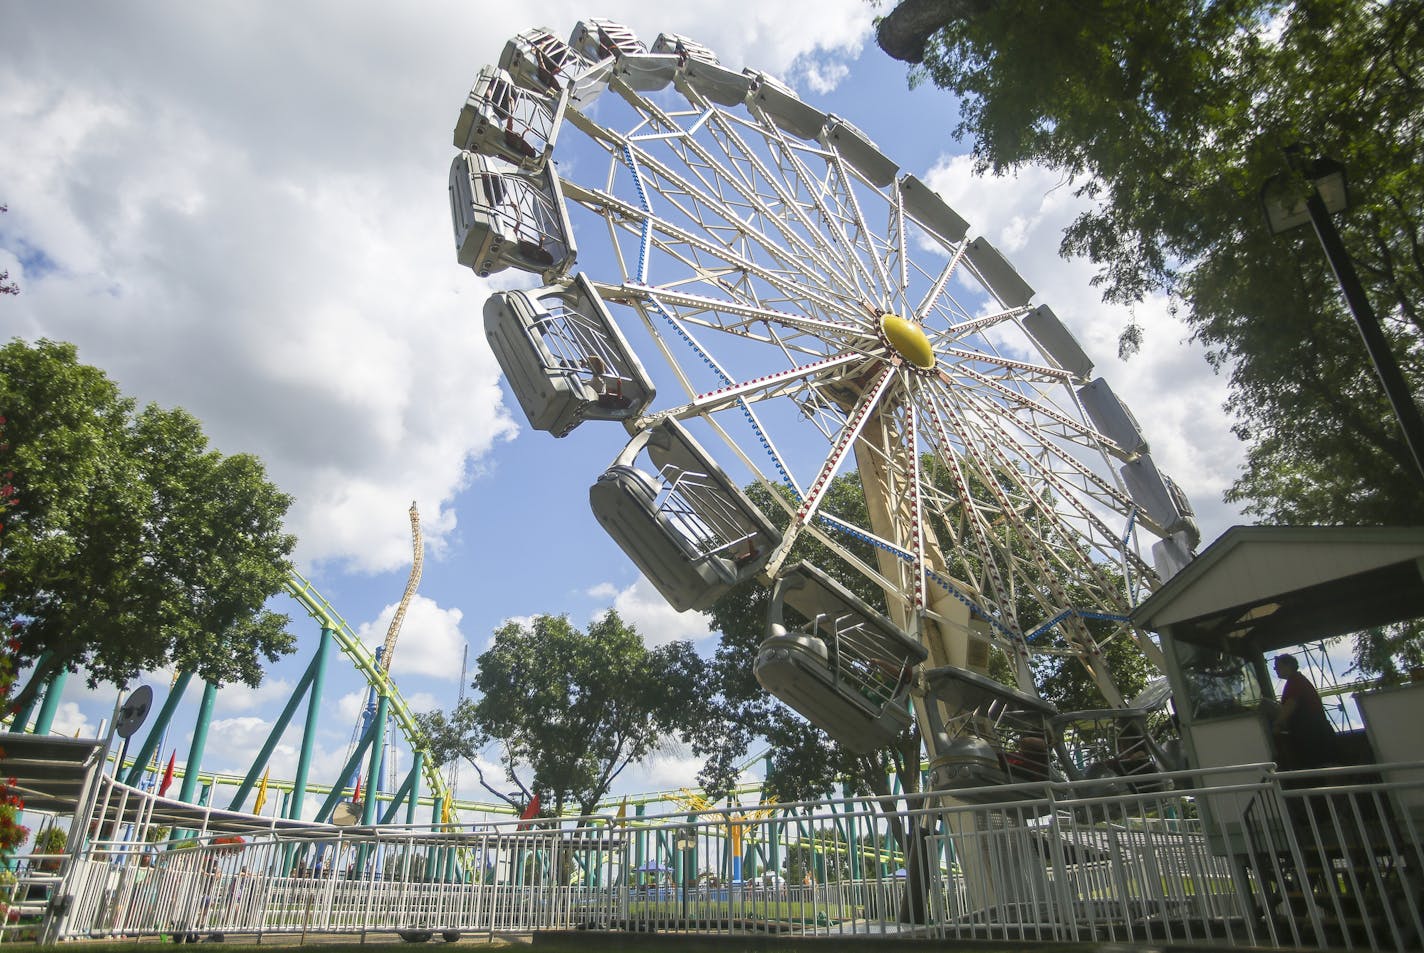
x=1304, y=735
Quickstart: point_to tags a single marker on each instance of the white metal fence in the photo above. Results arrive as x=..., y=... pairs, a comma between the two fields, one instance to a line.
x=1325, y=859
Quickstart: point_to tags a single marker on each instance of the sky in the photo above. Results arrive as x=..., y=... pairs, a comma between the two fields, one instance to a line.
x=245, y=215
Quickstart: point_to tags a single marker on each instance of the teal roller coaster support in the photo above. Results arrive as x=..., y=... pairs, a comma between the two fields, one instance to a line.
x=408, y=793
x=200, y=742
x=49, y=702
x=416, y=766
x=159, y=728
x=279, y=727
x=50, y=705
x=404, y=796
x=378, y=750
x=437, y=854
x=338, y=791
x=317, y=670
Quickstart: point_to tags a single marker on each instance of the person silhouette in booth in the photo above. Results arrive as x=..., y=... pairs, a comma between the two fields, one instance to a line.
x=1303, y=734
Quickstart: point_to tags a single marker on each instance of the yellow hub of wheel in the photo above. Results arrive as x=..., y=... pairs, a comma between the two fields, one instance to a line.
x=908, y=340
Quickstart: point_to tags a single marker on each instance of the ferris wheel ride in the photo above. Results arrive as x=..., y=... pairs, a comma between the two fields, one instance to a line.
x=816, y=311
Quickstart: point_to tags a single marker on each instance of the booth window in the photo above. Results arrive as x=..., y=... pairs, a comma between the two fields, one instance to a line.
x=1221, y=684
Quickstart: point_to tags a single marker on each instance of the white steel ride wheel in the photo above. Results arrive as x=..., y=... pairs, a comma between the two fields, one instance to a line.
x=813, y=310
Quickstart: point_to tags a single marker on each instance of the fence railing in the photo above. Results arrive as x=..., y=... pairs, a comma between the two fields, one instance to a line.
x=1321, y=859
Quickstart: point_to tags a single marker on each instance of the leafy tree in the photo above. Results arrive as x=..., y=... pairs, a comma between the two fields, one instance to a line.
x=1389, y=653
x=569, y=711
x=1173, y=115
x=131, y=545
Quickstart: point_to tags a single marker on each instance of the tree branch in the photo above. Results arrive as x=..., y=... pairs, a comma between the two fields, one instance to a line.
x=905, y=31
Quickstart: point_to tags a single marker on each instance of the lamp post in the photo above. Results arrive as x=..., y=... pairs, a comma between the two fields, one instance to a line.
x=686, y=843
x=1327, y=193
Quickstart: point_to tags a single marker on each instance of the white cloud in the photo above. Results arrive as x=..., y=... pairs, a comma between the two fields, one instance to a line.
x=430, y=641
x=822, y=76
x=350, y=705
x=647, y=611
x=283, y=316
x=69, y=720
x=238, y=697
x=425, y=701
x=240, y=740
x=668, y=771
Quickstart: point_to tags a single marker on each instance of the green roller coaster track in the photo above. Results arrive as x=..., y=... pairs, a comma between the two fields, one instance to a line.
x=328, y=618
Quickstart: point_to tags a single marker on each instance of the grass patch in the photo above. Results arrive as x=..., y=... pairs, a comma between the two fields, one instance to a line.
x=610, y=942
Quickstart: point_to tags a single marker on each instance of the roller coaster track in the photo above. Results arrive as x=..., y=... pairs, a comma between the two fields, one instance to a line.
x=388, y=652
x=328, y=618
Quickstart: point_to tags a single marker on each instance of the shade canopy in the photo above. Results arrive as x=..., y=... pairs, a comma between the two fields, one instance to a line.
x=49, y=773
x=48, y=770
x=1263, y=588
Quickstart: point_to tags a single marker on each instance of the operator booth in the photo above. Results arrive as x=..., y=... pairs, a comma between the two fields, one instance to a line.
x=1262, y=590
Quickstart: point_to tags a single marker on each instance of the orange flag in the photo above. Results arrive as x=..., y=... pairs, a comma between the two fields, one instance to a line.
x=530, y=812
x=168, y=774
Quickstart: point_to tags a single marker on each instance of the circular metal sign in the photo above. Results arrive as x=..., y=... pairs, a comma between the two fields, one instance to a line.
x=134, y=711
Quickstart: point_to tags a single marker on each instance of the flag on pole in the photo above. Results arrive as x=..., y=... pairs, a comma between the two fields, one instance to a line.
x=356, y=796
x=168, y=774
x=622, y=814
x=530, y=812
x=261, y=792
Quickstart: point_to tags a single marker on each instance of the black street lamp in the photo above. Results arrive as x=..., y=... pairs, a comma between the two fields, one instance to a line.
x=1328, y=193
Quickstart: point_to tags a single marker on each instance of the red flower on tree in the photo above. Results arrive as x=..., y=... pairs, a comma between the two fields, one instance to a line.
x=12, y=832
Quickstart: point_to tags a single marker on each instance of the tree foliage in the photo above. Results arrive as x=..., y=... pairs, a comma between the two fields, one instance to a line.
x=131, y=545
x=1173, y=115
x=569, y=711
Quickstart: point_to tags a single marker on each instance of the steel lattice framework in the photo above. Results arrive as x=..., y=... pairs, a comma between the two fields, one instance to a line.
x=812, y=311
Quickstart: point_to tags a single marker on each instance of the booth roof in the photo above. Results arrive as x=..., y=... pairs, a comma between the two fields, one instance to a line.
x=1280, y=586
